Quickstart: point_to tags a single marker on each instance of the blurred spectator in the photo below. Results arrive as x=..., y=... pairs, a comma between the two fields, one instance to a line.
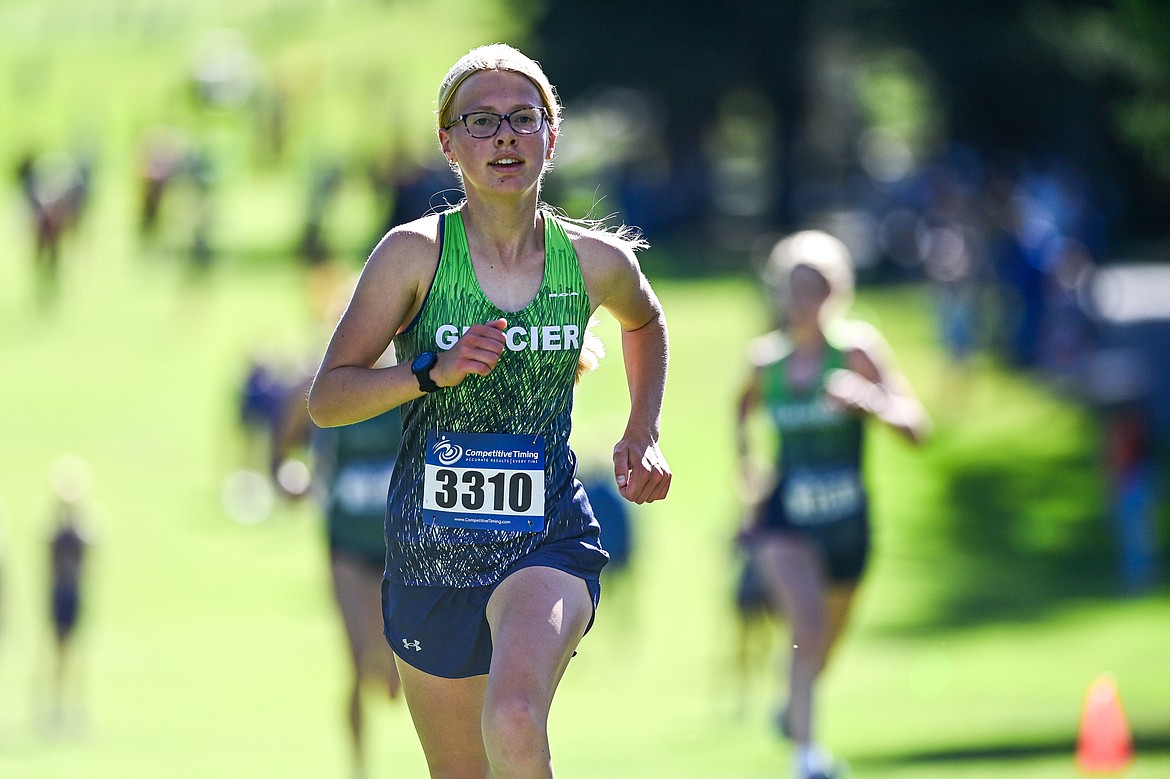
x=1043, y=209
x=323, y=274
x=1065, y=332
x=1130, y=466
x=410, y=186
x=260, y=396
x=201, y=174
x=325, y=179
x=68, y=544
x=56, y=189
x=953, y=254
x=223, y=71
x=162, y=157
x=272, y=120
x=1128, y=382
x=261, y=401
x=171, y=167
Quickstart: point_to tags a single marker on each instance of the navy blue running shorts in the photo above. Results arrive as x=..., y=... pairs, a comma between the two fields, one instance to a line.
x=443, y=631
x=844, y=543
x=66, y=603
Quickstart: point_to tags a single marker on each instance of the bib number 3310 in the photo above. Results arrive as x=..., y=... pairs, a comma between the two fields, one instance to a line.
x=487, y=481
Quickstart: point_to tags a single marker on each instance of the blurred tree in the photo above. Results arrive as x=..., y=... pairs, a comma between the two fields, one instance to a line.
x=688, y=58
x=1118, y=50
x=1066, y=79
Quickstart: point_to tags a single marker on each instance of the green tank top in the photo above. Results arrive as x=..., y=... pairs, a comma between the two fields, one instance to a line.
x=529, y=394
x=820, y=445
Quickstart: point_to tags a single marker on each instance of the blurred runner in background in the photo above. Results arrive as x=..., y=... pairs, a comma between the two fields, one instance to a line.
x=818, y=377
x=351, y=467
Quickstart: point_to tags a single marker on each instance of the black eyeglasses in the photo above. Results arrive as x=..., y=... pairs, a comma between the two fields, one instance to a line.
x=485, y=124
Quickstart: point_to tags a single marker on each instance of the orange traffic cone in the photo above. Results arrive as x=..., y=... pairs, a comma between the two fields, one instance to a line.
x=1104, y=745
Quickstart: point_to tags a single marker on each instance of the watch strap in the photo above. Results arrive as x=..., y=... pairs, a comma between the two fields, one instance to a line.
x=425, y=382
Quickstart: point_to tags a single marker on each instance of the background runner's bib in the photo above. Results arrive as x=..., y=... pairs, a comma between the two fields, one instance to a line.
x=814, y=497
x=352, y=466
x=360, y=489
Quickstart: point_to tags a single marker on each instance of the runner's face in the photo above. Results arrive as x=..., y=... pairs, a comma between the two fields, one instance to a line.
x=808, y=291
x=508, y=161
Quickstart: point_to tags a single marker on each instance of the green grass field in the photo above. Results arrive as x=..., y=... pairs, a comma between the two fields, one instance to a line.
x=210, y=648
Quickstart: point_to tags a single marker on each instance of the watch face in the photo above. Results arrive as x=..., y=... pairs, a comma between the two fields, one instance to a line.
x=424, y=361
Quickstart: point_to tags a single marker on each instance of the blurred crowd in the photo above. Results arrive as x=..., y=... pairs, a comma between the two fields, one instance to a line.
x=1017, y=251
x=1016, y=248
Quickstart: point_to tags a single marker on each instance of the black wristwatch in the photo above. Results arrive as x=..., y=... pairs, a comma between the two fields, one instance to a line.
x=421, y=368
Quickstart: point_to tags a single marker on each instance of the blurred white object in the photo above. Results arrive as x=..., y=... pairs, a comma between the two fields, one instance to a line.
x=1123, y=294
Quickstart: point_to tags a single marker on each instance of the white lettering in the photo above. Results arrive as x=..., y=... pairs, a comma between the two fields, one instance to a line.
x=547, y=338
x=446, y=336
x=512, y=336
x=796, y=416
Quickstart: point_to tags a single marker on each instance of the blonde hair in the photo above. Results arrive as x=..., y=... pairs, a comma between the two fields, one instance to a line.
x=815, y=249
x=70, y=478
x=496, y=56
x=592, y=350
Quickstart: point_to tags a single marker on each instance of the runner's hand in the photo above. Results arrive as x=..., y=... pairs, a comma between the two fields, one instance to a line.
x=476, y=352
x=641, y=471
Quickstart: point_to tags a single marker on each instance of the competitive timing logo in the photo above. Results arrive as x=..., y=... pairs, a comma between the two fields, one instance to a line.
x=448, y=453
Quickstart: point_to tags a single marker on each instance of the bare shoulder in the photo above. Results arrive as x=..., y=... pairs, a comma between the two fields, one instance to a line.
x=768, y=349
x=597, y=246
x=856, y=335
x=608, y=264
x=864, y=345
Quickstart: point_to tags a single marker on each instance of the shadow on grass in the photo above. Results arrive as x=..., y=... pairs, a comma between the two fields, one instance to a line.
x=1143, y=743
x=1020, y=535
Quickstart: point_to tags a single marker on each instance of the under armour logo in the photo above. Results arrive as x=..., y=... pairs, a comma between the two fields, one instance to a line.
x=416, y=645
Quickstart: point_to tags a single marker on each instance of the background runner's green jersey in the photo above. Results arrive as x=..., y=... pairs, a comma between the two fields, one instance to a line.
x=353, y=464
x=820, y=446
x=529, y=392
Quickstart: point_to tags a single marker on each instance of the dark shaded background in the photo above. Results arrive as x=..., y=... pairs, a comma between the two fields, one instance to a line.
x=1017, y=83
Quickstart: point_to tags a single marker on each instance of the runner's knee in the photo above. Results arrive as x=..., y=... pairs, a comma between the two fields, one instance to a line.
x=514, y=730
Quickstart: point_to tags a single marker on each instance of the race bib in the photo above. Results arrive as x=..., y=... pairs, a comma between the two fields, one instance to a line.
x=816, y=497
x=360, y=488
x=484, y=481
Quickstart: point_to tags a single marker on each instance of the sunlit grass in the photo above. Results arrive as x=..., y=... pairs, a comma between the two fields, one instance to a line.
x=206, y=638
x=211, y=648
